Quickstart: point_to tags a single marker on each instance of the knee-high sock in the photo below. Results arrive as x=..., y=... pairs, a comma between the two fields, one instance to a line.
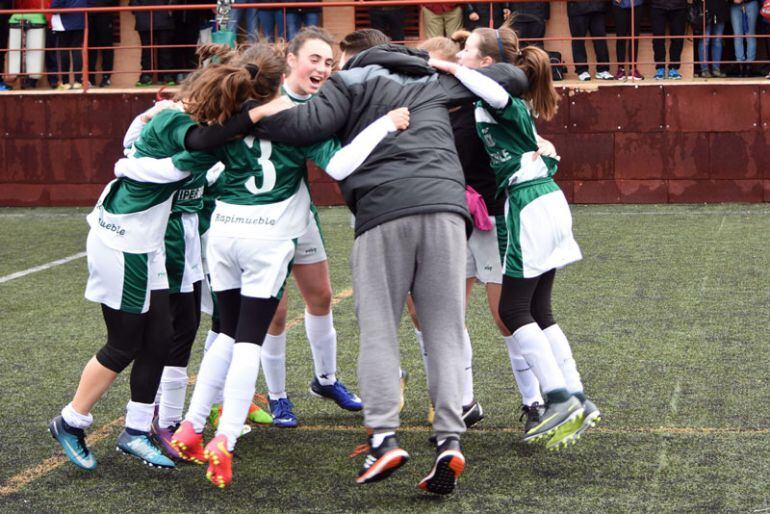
x=173, y=387
x=563, y=354
x=211, y=336
x=239, y=390
x=211, y=379
x=468, y=355
x=529, y=387
x=533, y=345
x=273, y=359
x=139, y=416
x=323, y=343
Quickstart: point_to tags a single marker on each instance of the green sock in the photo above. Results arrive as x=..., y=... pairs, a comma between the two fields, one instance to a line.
x=580, y=396
x=557, y=396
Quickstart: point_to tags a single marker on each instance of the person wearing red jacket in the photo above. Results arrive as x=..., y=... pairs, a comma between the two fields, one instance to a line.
x=441, y=19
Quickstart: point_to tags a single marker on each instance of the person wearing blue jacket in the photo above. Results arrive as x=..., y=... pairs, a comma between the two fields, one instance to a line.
x=68, y=30
x=621, y=10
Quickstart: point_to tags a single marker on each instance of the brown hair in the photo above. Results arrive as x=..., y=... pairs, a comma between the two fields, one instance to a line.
x=361, y=40
x=444, y=47
x=308, y=34
x=532, y=60
x=216, y=92
x=460, y=37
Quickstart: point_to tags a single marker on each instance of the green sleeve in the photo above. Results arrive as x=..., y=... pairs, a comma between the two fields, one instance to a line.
x=515, y=111
x=322, y=153
x=194, y=162
x=170, y=126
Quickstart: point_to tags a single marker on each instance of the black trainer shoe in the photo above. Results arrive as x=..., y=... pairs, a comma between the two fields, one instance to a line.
x=472, y=414
x=448, y=467
x=382, y=461
x=533, y=414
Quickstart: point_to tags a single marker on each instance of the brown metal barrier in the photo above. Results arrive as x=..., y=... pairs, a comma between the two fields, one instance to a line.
x=86, y=71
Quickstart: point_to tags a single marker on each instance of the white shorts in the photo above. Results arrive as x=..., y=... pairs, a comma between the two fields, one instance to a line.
x=257, y=267
x=183, y=253
x=310, y=245
x=483, y=260
x=123, y=281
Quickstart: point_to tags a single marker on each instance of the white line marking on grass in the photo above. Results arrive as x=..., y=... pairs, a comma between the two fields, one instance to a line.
x=673, y=407
x=42, y=267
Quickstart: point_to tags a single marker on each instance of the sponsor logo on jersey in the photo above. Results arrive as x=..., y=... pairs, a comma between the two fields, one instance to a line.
x=189, y=194
x=243, y=220
x=112, y=227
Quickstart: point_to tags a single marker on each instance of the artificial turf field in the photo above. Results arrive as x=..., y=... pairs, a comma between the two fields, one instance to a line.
x=668, y=316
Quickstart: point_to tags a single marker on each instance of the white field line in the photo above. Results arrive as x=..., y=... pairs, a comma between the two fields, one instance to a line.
x=42, y=267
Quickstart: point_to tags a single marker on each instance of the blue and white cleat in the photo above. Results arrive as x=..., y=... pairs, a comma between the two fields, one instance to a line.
x=283, y=417
x=141, y=447
x=338, y=393
x=73, y=441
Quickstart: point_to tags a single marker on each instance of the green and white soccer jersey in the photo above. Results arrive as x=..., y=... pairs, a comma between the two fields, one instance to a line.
x=121, y=280
x=538, y=220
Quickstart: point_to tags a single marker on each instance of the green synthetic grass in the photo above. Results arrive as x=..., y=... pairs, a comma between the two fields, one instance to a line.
x=668, y=316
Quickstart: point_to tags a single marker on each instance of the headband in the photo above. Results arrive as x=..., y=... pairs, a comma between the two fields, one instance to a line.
x=500, y=46
x=253, y=70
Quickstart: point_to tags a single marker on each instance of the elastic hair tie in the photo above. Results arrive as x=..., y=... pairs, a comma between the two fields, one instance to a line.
x=500, y=46
x=253, y=70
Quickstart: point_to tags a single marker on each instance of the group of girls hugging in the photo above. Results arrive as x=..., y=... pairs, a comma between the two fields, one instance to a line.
x=202, y=215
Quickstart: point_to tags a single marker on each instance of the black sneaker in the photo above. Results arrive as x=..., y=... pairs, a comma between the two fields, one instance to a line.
x=382, y=461
x=106, y=82
x=448, y=467
x=144, y=80
x=533, y=414
x=472, y=414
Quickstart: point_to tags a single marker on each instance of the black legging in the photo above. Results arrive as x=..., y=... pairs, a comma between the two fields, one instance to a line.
x=70, y=39
x=186, y=317
x=244, y=318
x=527, y=300
x=144, y=339
x=623, y=29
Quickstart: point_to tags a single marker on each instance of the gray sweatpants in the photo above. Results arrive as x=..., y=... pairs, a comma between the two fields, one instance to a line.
x=424, y=254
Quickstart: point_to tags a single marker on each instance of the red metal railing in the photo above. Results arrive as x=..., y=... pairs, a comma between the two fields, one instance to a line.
x=632, y=38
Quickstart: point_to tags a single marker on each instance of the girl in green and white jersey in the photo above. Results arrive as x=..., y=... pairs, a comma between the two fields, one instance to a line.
x=261, y=211
x=538, y=221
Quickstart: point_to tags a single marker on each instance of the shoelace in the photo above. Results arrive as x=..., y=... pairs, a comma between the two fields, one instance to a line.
x=359, y=450
x=531, y=411
x=82, y=443
x=283, y=408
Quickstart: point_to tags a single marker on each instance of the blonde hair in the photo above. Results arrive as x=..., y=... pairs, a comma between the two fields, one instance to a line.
x=443, y=47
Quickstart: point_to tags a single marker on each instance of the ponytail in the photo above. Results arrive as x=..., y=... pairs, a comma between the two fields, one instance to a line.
x=542, y=94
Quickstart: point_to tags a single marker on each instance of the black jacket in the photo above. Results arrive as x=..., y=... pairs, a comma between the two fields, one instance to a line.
x=717, y=11
x=668, y=5
x=161, y=20
x=412, y=172
x=530, y=11
x=587, y=7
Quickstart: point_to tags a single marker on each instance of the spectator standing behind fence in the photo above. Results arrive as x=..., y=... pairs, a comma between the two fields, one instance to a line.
x=155, y=28
x=272, y=22
x=389, y=20
x=301, y=17
x=27, y=31
x=589, y=16
x=743, y=15
x=621, y=10
x=4, y=4
x=68, y=28
x=477, y=15
x=101, y=33
x=250, y=15
x=716, y=14
x=441, y=19
x=187, y=27
x=674, y=14
x=529, y=21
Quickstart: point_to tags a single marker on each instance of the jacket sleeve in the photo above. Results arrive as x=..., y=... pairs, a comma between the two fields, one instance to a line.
x=512, y=78
x=312, y=122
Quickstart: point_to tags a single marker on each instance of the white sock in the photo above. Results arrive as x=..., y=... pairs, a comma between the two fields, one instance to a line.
x=468, y=356
x=173, y=385
x=563, y=354
x=529, y=387
x=139, y=416
x=75, y=419
x=158, y=394
x=210, y=337
x=532, y=344
x=239, y=391
x=377, y=439
x=211, y=379
x=323, y=344
x=424, y=354
x=273, y=359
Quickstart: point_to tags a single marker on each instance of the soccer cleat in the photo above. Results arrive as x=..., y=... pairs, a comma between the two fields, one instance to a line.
x=404, y=379
x=283, y=416
x=163, y=436
x=555, y=415
x=472, y=414
x=533, y=414
x=569, y=433
x=220, y=470
x=214, y=414
x=141, y=447
x=604, y=75
x=258, y=415
x=73, y=441
x=338, y=393
x=448, y=467
x=382, y=461
x=584, y=76
x=591, y=416
x=188, y=443
x=674, y=74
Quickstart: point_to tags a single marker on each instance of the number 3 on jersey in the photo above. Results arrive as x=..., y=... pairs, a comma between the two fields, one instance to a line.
x=268, y=169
